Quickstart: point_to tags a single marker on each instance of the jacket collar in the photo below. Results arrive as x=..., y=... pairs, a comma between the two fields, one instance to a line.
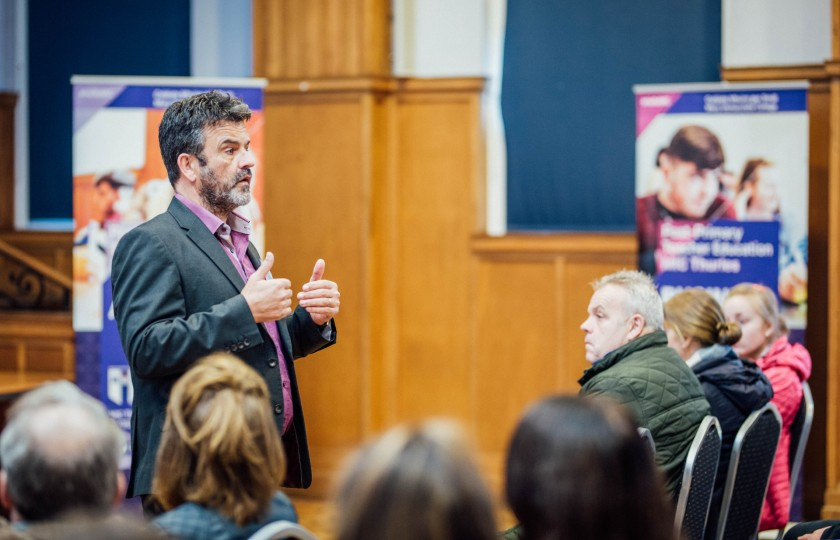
x=201, y=236
x=654, y=339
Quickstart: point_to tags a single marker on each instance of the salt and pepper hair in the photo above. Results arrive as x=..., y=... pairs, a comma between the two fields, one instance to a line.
x=60, y=451
x=182, y=128
x=220, y=447
x=642, y=296
x=415, y=482
x=695, y=314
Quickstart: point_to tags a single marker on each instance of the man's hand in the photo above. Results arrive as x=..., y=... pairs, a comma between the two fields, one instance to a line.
x=320, y=296
x=269, y=300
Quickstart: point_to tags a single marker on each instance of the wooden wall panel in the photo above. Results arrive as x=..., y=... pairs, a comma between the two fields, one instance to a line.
x=831, y=508
x=517, y=351
x=816, y=336
x=437, y=166
x=7, y=160
x=38, y=343
x=315, y=208
x=302, y=39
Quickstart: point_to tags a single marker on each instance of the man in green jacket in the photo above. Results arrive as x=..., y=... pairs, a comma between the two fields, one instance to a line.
x=632, y=363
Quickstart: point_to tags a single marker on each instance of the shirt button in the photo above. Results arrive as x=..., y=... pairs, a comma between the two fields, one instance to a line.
x=285, y=384
x=272, y=363
x=278, y=409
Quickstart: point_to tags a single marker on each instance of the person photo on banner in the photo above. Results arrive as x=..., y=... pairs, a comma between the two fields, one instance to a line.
x=94, y=243
x=691, y=167
x=758, y=199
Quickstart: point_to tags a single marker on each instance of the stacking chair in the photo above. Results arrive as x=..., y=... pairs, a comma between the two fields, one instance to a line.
x=647, y=437
x=698, y=481
x=749, y=473
x=799, y=432
x=281, y=530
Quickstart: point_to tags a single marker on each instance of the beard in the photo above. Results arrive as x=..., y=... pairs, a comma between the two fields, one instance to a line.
x=223, y=197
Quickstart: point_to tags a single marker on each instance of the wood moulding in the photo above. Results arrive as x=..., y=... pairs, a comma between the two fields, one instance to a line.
x=376, y=85
x=809, y=72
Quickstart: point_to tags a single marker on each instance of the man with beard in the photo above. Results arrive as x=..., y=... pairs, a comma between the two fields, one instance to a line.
x=189, y=282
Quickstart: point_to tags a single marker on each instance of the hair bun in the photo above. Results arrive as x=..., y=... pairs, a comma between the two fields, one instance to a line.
x=728, y=332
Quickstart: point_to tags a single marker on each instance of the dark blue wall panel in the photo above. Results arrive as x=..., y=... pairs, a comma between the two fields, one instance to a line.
x=568, y=103
x=89, y=37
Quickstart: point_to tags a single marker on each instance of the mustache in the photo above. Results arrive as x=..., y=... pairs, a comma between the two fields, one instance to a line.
x=240, y=176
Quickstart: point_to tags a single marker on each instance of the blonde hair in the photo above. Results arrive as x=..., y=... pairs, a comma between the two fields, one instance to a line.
x=694, y=313
x=415, y=482
x=763, y=300
x=220, y=447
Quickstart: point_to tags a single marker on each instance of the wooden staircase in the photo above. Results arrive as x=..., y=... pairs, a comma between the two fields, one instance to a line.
x=36, y=326
x=36, y=322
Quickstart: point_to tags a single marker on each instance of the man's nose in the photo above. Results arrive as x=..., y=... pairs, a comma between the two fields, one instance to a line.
x=248, y=160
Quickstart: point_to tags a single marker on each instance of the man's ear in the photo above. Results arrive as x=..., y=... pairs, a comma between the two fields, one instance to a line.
x=637, y=326
x=119, y=496
x=189, y=166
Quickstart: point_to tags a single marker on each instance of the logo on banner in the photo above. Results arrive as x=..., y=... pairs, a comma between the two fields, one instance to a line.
x=120, y=389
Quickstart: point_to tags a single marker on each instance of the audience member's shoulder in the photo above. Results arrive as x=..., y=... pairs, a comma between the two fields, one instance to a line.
x=109, y=527
x=282, y=508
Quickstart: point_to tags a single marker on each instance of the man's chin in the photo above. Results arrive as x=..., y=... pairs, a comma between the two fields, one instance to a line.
x=240, y=197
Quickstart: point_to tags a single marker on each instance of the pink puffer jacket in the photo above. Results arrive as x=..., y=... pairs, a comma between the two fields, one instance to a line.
x=786, y=365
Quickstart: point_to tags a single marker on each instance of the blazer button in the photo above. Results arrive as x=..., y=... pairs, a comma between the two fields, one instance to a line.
x=272, y=363
x=246, y=342
x=278, y=409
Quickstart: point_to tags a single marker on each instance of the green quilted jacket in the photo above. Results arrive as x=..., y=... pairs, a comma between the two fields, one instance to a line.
x=660, y=389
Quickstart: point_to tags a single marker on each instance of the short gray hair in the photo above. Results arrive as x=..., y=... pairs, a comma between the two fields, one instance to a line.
x=60, y=450
x=642, y=296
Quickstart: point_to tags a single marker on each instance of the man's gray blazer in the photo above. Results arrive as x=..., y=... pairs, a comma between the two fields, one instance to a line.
x=176, y=299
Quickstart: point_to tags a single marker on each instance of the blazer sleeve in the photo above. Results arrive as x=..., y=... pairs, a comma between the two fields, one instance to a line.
x=161, y=335
x=305, y=336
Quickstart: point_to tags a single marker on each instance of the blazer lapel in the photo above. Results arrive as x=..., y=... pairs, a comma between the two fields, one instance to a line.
x=205, y=241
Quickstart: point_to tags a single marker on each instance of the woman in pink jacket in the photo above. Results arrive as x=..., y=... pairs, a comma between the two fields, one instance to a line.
x=764, y=341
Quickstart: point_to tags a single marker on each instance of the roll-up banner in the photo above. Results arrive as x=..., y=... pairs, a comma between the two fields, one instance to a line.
x=119, y=181
x=722, y=189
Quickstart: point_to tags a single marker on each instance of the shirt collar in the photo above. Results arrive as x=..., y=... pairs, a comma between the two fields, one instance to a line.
x=236, y=222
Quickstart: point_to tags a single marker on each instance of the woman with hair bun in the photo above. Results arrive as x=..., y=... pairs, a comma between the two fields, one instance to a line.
x=220, y=463
x=699, y=332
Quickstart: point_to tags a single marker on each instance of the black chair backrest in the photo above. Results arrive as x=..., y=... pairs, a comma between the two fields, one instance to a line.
x=698, y=481
x=799, y=432
x=749, y=473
